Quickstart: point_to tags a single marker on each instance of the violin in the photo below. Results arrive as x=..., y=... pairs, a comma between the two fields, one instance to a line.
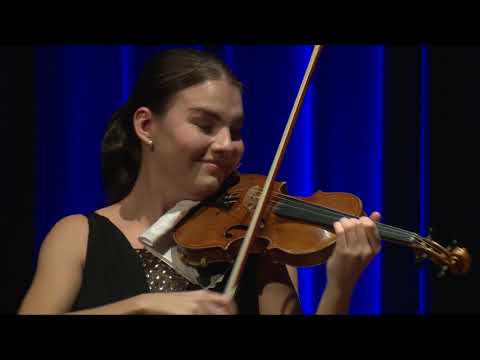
x=297, y=231
x=255, y=214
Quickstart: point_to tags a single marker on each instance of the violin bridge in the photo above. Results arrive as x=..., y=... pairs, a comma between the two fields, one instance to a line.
x=250, y=199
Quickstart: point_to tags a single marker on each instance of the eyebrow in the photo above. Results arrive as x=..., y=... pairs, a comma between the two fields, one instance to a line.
x=215, y=115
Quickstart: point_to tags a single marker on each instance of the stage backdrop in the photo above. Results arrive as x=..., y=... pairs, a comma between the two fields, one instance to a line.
x=345, y=139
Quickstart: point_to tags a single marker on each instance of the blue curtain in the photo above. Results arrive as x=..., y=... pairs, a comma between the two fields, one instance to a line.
x=336, y=145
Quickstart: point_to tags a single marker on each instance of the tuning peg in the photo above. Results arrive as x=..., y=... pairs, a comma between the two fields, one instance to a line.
x=442, y=271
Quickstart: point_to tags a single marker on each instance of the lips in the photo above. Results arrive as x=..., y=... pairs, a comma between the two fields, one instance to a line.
x=215, y=166
x=212, y=165
x=217, y=163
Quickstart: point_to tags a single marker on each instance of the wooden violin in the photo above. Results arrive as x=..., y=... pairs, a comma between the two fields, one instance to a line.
x=297, y=231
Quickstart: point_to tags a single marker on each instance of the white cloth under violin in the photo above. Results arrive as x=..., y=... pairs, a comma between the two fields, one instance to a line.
x=158, y=241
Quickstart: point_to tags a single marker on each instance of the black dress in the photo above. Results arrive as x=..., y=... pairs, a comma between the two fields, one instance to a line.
x=115, y=271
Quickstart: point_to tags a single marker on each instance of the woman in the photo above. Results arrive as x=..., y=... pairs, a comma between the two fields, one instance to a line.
x=178, y=138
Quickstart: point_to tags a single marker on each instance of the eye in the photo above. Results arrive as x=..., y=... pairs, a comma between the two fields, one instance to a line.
x=206, y=128
x=204, y=125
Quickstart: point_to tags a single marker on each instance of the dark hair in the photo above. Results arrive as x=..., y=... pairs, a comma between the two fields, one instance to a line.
x=164, y=76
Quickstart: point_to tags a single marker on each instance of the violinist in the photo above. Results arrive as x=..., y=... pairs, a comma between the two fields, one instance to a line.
x=177, y=138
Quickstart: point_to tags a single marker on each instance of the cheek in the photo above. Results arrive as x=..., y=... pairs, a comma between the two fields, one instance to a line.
x=193, y=147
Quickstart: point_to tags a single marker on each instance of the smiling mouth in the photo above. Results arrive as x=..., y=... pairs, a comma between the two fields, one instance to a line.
x=214, y=167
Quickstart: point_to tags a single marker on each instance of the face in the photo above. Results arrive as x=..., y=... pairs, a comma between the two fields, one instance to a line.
x=198, y=141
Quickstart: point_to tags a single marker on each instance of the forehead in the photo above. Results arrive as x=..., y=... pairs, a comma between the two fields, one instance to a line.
x=220, y=96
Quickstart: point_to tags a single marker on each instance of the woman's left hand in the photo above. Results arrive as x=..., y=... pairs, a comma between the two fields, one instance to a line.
x=357, y=243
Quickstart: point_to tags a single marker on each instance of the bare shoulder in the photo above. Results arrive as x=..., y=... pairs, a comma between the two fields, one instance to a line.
x=68, y=236
x=58, y=276
x=74, y=222
x=70, y=228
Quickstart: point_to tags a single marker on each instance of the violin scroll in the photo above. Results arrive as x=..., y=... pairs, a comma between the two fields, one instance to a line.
x=453, y=259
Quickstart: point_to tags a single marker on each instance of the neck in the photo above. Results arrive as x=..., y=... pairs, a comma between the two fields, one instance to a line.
x=148, y=200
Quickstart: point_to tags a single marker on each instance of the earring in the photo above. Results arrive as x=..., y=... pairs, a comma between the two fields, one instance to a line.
x=150, y=143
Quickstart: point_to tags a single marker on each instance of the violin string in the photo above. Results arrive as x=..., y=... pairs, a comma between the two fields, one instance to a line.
x=316, y=209
x=335, y=216
x=331, y=215
x=387, y=232
x=425, y=243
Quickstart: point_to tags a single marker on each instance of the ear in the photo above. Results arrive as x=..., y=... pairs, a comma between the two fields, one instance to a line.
x=142, y=124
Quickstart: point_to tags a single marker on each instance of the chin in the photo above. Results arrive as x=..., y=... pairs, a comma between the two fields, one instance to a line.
x=206, y=187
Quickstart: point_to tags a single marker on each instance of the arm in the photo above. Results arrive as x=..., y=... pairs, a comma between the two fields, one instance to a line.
x=281, y=297
x=58, y=279
x=59, y=271
x=357, y=243
x=277, y=291
x=59, y=268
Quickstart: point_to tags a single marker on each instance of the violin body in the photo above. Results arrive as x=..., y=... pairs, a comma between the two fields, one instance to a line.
x=297, y=231
x=290, y=233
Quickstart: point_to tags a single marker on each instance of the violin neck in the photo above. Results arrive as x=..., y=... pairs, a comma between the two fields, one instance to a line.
x=314, y=214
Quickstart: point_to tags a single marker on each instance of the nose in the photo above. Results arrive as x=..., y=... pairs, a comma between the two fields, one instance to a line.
x=223, y=139
x=223, y=142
